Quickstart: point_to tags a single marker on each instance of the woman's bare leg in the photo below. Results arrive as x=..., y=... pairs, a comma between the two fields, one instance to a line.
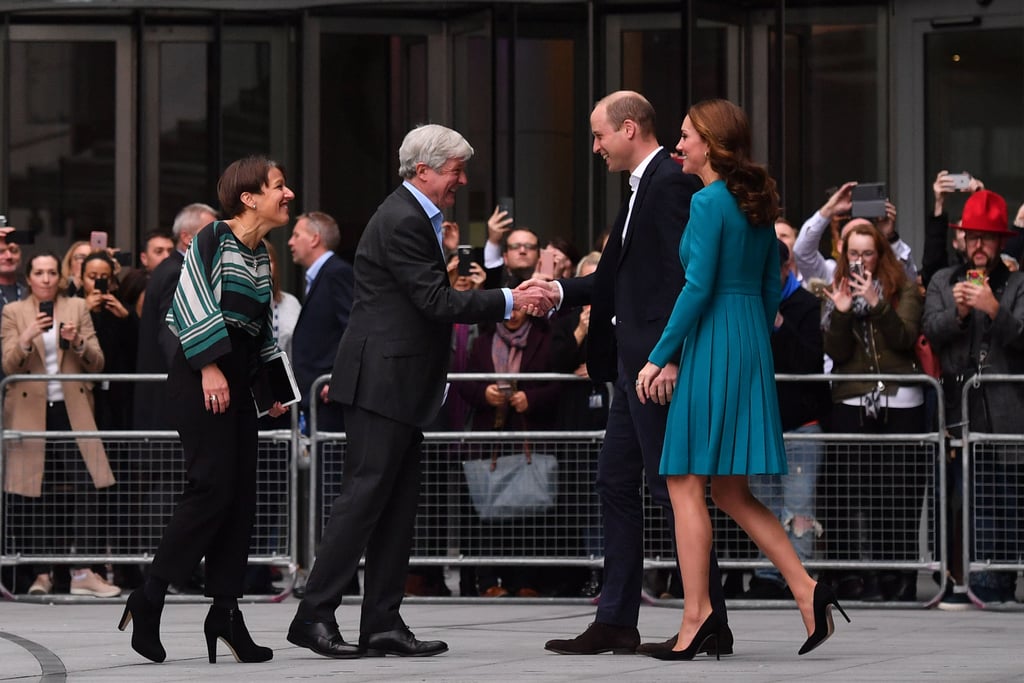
x=693, y=543
x=732, y=495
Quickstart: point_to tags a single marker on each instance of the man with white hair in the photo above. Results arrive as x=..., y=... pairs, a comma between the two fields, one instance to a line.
x=389, y=376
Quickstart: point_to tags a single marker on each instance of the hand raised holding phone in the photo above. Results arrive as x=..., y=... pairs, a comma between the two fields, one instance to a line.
x=499, y=223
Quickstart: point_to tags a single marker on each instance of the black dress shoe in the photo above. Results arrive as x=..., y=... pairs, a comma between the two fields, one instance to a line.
x=399, y=642
x=598, y=638
x=721, y=648
x=322, y=638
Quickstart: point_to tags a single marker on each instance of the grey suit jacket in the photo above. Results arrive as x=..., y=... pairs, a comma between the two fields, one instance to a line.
x=393, y=358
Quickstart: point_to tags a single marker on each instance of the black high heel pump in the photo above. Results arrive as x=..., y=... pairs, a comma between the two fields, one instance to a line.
x=707, y=634
x=824, y=600
x=146, y=632
x=228, y=625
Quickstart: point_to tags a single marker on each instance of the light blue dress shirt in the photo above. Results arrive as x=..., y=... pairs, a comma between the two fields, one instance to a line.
x=434, y=214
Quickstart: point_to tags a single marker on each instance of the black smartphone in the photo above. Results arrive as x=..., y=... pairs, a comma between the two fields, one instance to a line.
x=465, y=258
x=857, y=268
x=47, y=308
x=868, y=200
x=507, y=204
x=61, y=341
x=102, y=284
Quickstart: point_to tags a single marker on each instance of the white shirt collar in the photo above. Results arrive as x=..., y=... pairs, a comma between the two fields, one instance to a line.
x=638, y=172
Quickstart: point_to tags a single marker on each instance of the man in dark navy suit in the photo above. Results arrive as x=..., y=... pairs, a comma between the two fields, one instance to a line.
x=390, y=377
x=325, y=311
x=157, y=344
x=631, y=295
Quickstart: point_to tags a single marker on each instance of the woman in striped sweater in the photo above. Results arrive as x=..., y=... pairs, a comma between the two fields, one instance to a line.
x=221, y=316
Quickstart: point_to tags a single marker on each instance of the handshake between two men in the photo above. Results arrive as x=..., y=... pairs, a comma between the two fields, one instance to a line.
x=536, y=297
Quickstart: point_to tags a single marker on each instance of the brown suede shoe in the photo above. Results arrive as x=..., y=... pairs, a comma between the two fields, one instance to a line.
x=598, y=638
x=724, y=644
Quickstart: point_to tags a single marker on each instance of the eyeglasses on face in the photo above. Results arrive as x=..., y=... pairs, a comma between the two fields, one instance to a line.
x=516, y=246
x=857, y=255
x=981, y=237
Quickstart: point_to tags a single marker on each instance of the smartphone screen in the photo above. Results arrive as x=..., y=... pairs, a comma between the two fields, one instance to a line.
x=976, y=276
x=98, y=240
x=857, y=268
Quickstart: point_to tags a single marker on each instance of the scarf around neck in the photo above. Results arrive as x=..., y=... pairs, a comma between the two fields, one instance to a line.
x=507, y=347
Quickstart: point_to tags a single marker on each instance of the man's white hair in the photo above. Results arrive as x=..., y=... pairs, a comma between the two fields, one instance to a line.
x=432, y=145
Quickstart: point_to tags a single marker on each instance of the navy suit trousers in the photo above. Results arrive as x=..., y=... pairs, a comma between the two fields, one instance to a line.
x=632, y=448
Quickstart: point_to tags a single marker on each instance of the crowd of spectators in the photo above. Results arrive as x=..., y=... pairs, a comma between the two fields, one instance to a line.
x=854, y=301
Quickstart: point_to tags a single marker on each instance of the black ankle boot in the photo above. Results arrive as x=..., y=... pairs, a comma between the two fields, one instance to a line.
x=146, y=632
x=227, y=624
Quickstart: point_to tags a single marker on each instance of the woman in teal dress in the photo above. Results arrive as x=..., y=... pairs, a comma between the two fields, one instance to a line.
x=724, y=419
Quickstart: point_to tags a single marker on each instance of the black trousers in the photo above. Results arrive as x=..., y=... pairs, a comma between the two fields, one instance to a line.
x=214, y=516
x=375, y=514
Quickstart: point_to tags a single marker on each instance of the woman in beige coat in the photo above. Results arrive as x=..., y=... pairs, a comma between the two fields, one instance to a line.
x=36, y=342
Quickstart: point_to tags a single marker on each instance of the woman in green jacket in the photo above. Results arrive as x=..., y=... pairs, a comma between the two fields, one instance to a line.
x=871, y=323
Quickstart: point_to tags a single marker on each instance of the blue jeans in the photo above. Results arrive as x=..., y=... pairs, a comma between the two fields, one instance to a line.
x=792, y=496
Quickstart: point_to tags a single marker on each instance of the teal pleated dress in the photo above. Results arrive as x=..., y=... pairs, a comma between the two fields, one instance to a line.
x=724, y=414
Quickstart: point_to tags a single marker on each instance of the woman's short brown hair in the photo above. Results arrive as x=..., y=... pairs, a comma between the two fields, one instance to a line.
x=245, y=175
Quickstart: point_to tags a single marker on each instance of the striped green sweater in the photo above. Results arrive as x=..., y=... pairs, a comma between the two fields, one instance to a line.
x=223, y=284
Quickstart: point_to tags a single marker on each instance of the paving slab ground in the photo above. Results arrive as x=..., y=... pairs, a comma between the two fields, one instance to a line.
x=503, y=641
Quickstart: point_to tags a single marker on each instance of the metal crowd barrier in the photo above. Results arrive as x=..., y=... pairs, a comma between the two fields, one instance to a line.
x=73, y=522
x=992, y=489
x=899, y=481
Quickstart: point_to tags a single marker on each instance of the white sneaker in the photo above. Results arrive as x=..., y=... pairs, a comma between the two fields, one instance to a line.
x=41, y=586
x=87, y=582
x=954, y=600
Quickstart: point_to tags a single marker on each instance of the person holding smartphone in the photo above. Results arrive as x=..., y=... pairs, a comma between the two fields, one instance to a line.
x=871, y=321
x=117, y=329
x=939, y=250
x=520, y=344
x=52, y=487
x=975, y=310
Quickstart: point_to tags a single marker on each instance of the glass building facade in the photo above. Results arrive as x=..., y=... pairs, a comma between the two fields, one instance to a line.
x=114, y=115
